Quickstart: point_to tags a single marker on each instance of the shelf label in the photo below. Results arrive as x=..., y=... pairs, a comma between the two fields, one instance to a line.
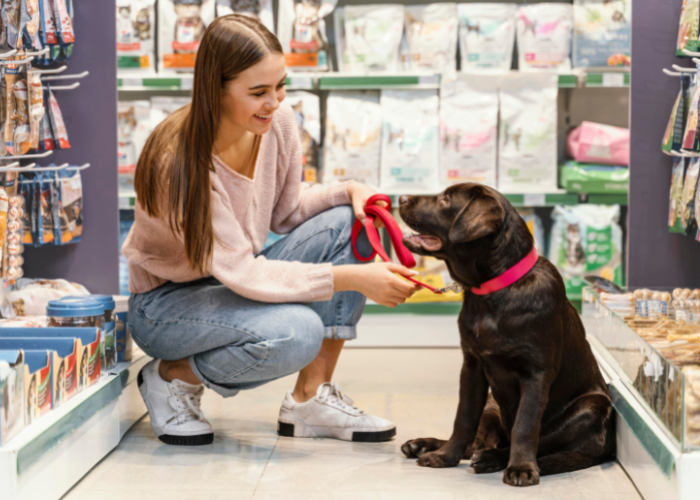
x=429, y=80
x=613, y=79
x=301, y=82
x=186, y=83
x=534, y=200
x=132, y=82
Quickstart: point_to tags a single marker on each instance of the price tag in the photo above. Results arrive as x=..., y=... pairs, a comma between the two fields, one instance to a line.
x=186, y=83
x=534, y=200
x=613, y=79
x=428, y=80
x=132, y=82
x=301, y=82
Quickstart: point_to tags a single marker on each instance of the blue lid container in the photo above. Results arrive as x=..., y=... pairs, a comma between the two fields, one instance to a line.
x=75, y=307
x=107, y=301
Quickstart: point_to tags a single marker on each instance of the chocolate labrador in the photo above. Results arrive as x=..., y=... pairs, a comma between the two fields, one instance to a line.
x=549, y=409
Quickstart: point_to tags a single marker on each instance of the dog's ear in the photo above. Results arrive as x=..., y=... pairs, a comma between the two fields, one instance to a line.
x=483, y=215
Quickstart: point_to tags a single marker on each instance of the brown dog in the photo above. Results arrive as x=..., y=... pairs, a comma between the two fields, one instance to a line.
x=549, y=410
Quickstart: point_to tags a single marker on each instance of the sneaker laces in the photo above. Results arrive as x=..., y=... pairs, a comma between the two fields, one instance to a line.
x=331, y=393
x=186, y=403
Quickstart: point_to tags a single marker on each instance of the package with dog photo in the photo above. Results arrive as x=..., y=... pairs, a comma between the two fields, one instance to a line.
x=307, y=113
x=259, y=9
x=352, y=144
x=136, y=26
x=181, y=25
x=431, y=35
x=373, y=37
x=527, y=160
x=544, y=33
x=301, y=30
x=410, y=142
x=486, y=36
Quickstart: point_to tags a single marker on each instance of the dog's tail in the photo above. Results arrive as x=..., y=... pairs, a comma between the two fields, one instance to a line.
x=568, y=461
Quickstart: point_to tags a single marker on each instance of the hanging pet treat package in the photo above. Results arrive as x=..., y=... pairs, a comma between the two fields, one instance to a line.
x=14, y=18
x=16, y=133
x=373, y=37
x=673, y=136
x=307, y=113
x=136, y=25
x=690, y=134
x=32, y=40
x=352, y=144
x=134, y=127
x=410, y=142
x=341, y=53
x=70, y=200
x=58, y=128
x=602, y=33
x=47, y=25
x=486, y=36
x=36, y=108
x=64, y=22
x=469, y=129
x=181, y=25
x=690, y=184
x=43, y=193
x=675, y=212
x=25, y=188
x=431, y=34
x=46, y=139
x=259, y=9
x=544, y=36
x=688, y=27
x=527, y=151
x=301, y=30
x=14, y=235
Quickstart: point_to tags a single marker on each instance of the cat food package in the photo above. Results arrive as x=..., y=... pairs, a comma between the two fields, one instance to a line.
x=598, y=143
x=527, y=151
x=181, y=25
x=259, y=9
x=688, y=27
x=544, y=36
x=469, y=129
x=352, y=144
x=486, y=36
x=301, y=30
x=341, y=53
x=162, y=106
x=58, y=127
x=534, y=224
x=586, y=240
x=373, y=37
x=68, y=206
x=134, y=127
x=136, y=30
x=431, y=35
x=307, y=113
x=410, y=142
x=673, y=137
x=602, y=33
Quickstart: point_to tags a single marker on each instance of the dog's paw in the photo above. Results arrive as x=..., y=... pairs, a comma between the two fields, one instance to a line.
x=487, y=461
x=414, y=448
x=438, y=460
x=523, y=475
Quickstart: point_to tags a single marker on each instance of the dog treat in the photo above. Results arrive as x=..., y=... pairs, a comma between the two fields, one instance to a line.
x=47, y=28
x=486, y=36
x=307, y=113
x=602, y=33
x=689, y=186
x=373, y=37
x=70, y=191
x=181, y=25
x=259, y=9
x=31, y=28
x=301, y=30
x=36, y=108
x=136, y=24
x=690, y=136
x=58, y=128
x=431, y=34
x=688, y=27
x=675, y=209
x=64, y=22
x=544, y=36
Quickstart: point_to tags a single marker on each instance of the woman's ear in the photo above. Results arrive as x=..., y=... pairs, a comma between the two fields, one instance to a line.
x=482, y=215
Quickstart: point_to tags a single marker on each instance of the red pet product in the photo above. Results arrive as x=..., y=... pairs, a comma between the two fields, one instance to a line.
x=598, y=143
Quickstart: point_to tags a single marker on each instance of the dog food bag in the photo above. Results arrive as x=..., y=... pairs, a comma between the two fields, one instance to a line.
x=469, y=129
x=70, y=195
x=486, y=36
x=162, y=107
x=136, y=25
x=534, y=224
x=673, y=136
x=58, y=127
x=431, y=35
x=301, y=30
x=688, y=27
x=373, y=37
x=181, y=25
x=352, y=144
x=410, y=142
x=598, y=143
x=544, y=36
x=307, y=112
x=259, y=9
x=602, y=33
x=134, y=127
x=527, y=160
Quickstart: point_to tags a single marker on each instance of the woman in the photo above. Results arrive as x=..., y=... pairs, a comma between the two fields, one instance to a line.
x=208, y=303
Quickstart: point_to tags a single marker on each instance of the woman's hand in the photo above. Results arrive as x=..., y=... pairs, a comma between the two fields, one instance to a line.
x=376, y=281
x=359, y=194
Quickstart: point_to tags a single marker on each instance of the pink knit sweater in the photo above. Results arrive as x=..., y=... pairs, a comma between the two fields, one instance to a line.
x=243, y=212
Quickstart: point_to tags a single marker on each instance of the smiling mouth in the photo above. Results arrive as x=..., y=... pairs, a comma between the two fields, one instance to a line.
x=263, y=117
x=429, y=243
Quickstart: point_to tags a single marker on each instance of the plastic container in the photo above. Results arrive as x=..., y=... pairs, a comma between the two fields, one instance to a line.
x=122, y=333
x=79, y=312
x=110, y=326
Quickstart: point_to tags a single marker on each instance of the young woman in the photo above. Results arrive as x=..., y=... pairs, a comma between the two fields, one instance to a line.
x=208, y=303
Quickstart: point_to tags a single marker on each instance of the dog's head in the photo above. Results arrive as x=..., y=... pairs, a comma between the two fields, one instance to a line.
x=472, y=227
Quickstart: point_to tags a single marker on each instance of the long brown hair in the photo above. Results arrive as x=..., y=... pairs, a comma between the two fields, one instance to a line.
x=172, y=174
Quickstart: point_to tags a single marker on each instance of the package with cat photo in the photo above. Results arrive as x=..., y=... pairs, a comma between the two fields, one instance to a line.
x=544, y=33
x=486, y=36
x=373, y=36
x=163, y=106
x=136, y=31
x=352, y=144
x=181, y=25
x=133, y=128
x=431, y=35
x=301, y=29
x=259, y=9
x=307, y=113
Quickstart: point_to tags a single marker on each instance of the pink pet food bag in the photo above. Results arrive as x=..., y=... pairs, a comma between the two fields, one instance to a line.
x=598, y=143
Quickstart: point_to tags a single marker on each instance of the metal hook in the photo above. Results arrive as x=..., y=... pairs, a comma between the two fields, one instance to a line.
x=689, y=53
x=63, y=87
x=58, y=167
x=43, y=51
x=81, y=167
x=66, y=77
x=685, y=70
x=51, y=71
x=9, y=166
x=23, y=61
x=37, y=155
x=8, y=54
x=670, y=73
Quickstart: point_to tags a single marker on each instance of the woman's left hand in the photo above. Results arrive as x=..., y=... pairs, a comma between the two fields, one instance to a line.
x=359, y=194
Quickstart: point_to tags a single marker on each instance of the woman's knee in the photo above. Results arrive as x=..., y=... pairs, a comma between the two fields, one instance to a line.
x=305, y=338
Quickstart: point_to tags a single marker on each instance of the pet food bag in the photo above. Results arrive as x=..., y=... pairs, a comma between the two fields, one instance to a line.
x=307, y=113
x=673, y=137
x=690, y=184
x=586, y=240
x=70, y=205
x=181, y=25
x=486, y=36
x=410, y=142
x=259, y=9
x=352, y=144
x=690, y=135
x=301, y=30
x=602, y=33
x=675, y=212
x=598, y=143
x=469, y=129
x=373, y=37
x=534, y=224
x=544, y=36
x=431, y=34
x=688, y=27
x=341, y=53
x=527, y=159
x=134, y=127
x=136, y=25
x=163, y=106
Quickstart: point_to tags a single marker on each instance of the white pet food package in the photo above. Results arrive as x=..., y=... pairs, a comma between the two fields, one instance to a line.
x=469, y=129
x=162, y=106
x=410, y=142
x=373, y=36
x=341, y=53
x=544, y=32
x=527, y=152
x=486, y=36
x=431, y=36
x=301, y=30
x=534, y=224
x=603, y=33
x=136, y=30
x=259, y=9
x=307, y=113
x=134, y=127
x=352, y=144
x=181, y=25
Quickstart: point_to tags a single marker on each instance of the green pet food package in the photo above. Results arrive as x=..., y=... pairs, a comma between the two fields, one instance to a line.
x=688, y=197
x=594, y=179
x=673, y=136
x=688, y=27
x=602, y=33
x=690, y=135
x=675, y=212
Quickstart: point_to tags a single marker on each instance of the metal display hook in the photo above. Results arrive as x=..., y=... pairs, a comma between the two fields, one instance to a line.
x=671, y=73
x=32, y=167
x=50, y=71
x=22, y=61
x=66, y=77
x=24, y=157
x=37, y=53
x=685, y=70
x=8, y=54
x=690, y=53
x=62, y=87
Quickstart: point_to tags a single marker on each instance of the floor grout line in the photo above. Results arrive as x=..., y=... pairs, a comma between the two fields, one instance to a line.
x=265, y=468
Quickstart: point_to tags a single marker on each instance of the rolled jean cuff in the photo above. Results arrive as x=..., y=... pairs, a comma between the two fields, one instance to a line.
x=219, y=389
x=340, y=332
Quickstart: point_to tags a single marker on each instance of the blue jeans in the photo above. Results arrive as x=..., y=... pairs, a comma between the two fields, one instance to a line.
x=234, y=343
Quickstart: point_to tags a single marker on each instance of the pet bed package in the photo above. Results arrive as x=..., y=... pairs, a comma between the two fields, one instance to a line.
x=134, y=127
x=136, y=26
x=353, y=140
x=688, y=27
x=527, y=159
x=181, y=25
x=469, y=129
x=534, y=224
x=544, y=36
x=675, y=212
x=673, y=137
x=602, y=33
x=373, y=37
x=486, y=36
x=259, y=9
x=301, y=30
x=410, y=142
x=594, y=179
x=307, y=113
x=598, y=143
x=431, y=35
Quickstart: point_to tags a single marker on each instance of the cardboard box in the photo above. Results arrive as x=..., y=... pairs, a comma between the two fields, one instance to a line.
x=12, y=394
x=39, y=388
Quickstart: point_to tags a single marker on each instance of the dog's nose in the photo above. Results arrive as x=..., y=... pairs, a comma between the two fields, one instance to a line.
x=403, y=199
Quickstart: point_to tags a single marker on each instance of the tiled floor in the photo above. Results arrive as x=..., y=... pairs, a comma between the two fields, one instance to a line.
x=417, y=389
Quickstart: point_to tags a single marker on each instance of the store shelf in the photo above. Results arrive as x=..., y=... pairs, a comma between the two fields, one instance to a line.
x=340, y=81
x=156, y=83
x=127, y=200
x=427, y=308
x=610, y=79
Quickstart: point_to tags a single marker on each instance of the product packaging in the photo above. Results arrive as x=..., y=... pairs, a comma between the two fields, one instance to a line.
x=58, y=127
x=30, y=297
x=307, y=113
x=46, y=139
x=13, y=20
x=431, y=35
x=544, y=36
x=13, y=229
x=43, y=197
x=162, y=107
x=181, y=25
x=64, y=22
x=598, y=143
x=134, y=127
x=410, y=140
x=534, y=224
x=690, y=184
x=69, y=190
x=341, y=54
x=301, y=30
x=675, y=209
x=110, y=324
x=16, y=106
x=527, y=160
x=136, y=29
x=373, y=37
x=122, y=332
x=594, y=179
x=259, y=9
x=352, y=145
x=602, y=33
x=30, y=34
x=469, y=129
x=688, y=27
x=25, y=185
x=38, y=384
x=673, y=137
x=47, y=27
x=486, y=36
x=13, y=373
x=36, y=108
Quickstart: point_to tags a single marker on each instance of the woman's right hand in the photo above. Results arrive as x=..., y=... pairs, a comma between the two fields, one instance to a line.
x=377, y=282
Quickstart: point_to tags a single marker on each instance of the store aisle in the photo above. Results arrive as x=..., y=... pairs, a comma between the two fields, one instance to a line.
x=417, y=389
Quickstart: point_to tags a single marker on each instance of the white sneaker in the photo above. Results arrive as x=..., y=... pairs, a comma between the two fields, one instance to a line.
x=174, y=408
x=330, y=414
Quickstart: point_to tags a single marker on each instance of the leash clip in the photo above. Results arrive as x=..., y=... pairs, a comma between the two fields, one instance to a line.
x=454, y=287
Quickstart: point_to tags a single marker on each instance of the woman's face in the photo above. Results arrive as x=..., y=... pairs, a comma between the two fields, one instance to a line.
x=250, y=100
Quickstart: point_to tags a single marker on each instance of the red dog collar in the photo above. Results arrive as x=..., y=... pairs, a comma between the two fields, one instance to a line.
x=510, y=276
